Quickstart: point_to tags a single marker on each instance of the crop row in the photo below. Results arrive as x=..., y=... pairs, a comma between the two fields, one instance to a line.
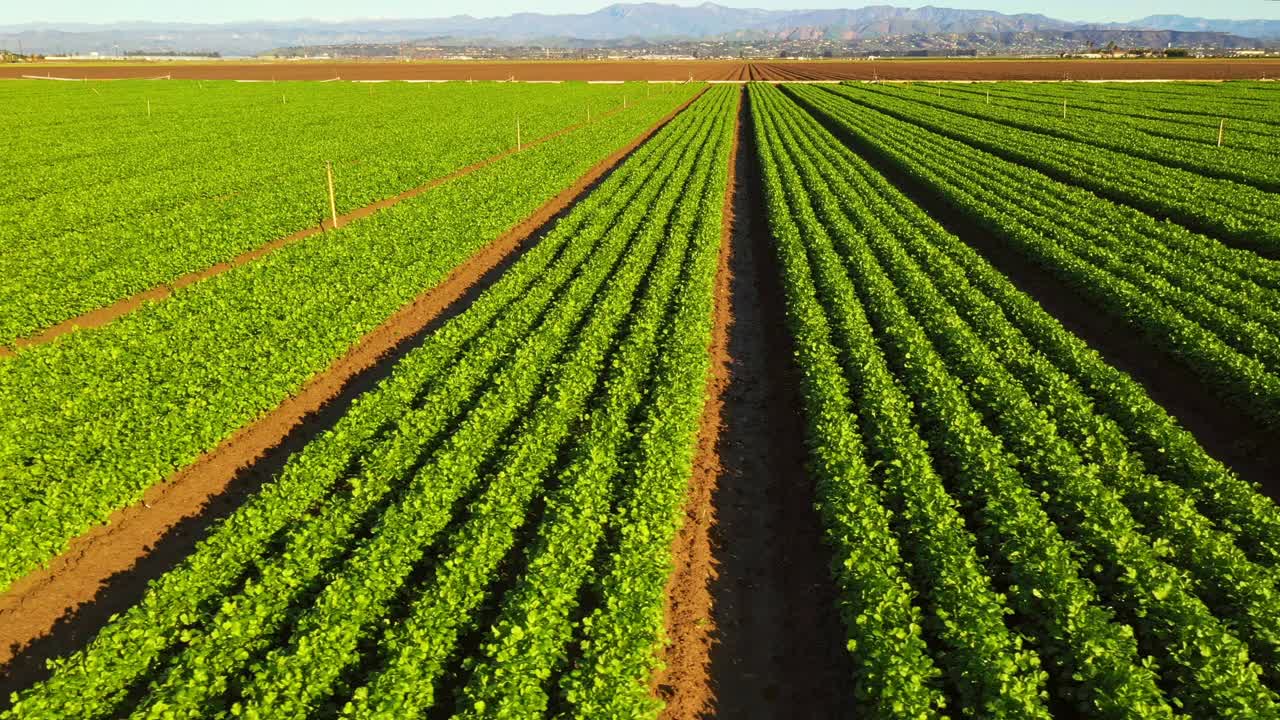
x=934, y=390
x=193, y=369
x=1254, y=101
x=184, y=193
x=1232, y=212
x=545, y=433
x=1211, y=306
x=1255, y=168
x=1096, y=106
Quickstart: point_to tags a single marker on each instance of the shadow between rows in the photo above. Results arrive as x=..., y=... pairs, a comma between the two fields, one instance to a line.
x=779, y=644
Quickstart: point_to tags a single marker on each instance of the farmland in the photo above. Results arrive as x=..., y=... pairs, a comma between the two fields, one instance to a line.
x=647, y=400
x=672, y=70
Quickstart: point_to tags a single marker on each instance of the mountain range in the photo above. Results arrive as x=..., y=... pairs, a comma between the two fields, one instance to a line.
x=644, y=21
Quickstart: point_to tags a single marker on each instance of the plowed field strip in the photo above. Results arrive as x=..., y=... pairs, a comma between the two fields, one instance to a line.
x=896, y=69
x=50, y=598
x=783, y=72
x=104, y=315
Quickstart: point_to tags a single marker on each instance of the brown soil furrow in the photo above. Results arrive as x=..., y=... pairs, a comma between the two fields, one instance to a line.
x=782, y=72
x=685, y=682
x=771, y=643
x=104, y=315
x=536, y=70
x=59, y=607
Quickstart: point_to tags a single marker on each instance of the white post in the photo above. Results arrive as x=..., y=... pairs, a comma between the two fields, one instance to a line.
x=333, y=203
x=1064, y=108
x=148, y=107
x=517, y=134
x=1222, y=124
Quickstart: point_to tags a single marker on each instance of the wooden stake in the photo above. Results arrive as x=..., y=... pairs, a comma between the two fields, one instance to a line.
x=1222, y=124
x=1064, y=108
x=148, y=107
x=988, y=97
x=333, y=202
x=517, y=134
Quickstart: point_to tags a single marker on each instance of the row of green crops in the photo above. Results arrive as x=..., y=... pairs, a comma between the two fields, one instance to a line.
x=497, y=513
x=1213, y=307
x=92, y=420
x=1017, y=529
x=1196, y=153
x=103, y=201
x=1233, y=212
x=1254, y=101
x=1099, y=109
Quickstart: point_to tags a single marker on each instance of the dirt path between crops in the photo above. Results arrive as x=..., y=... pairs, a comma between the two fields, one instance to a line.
x=104, y=315
x=57, y=609
x=751, y=609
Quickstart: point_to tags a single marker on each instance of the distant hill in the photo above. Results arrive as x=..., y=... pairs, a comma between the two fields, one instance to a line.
x=1264, y=29
x=644, y=21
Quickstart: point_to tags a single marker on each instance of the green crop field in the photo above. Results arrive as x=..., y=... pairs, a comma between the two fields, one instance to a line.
x=539, y=427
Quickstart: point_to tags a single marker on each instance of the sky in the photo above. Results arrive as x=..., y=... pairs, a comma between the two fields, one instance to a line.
x=100, y=11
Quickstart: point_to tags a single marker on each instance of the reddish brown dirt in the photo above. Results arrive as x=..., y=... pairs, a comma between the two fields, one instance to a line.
x=685, y=683
x=104, y=558
x=772, y=644
x=924, y=69
x=1022, y=70
x=472, y=70
x=104, y=315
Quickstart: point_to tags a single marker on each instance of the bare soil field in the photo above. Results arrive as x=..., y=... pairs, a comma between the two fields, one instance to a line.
x=459, y=70
x=925, y=69
x=1021, y=70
